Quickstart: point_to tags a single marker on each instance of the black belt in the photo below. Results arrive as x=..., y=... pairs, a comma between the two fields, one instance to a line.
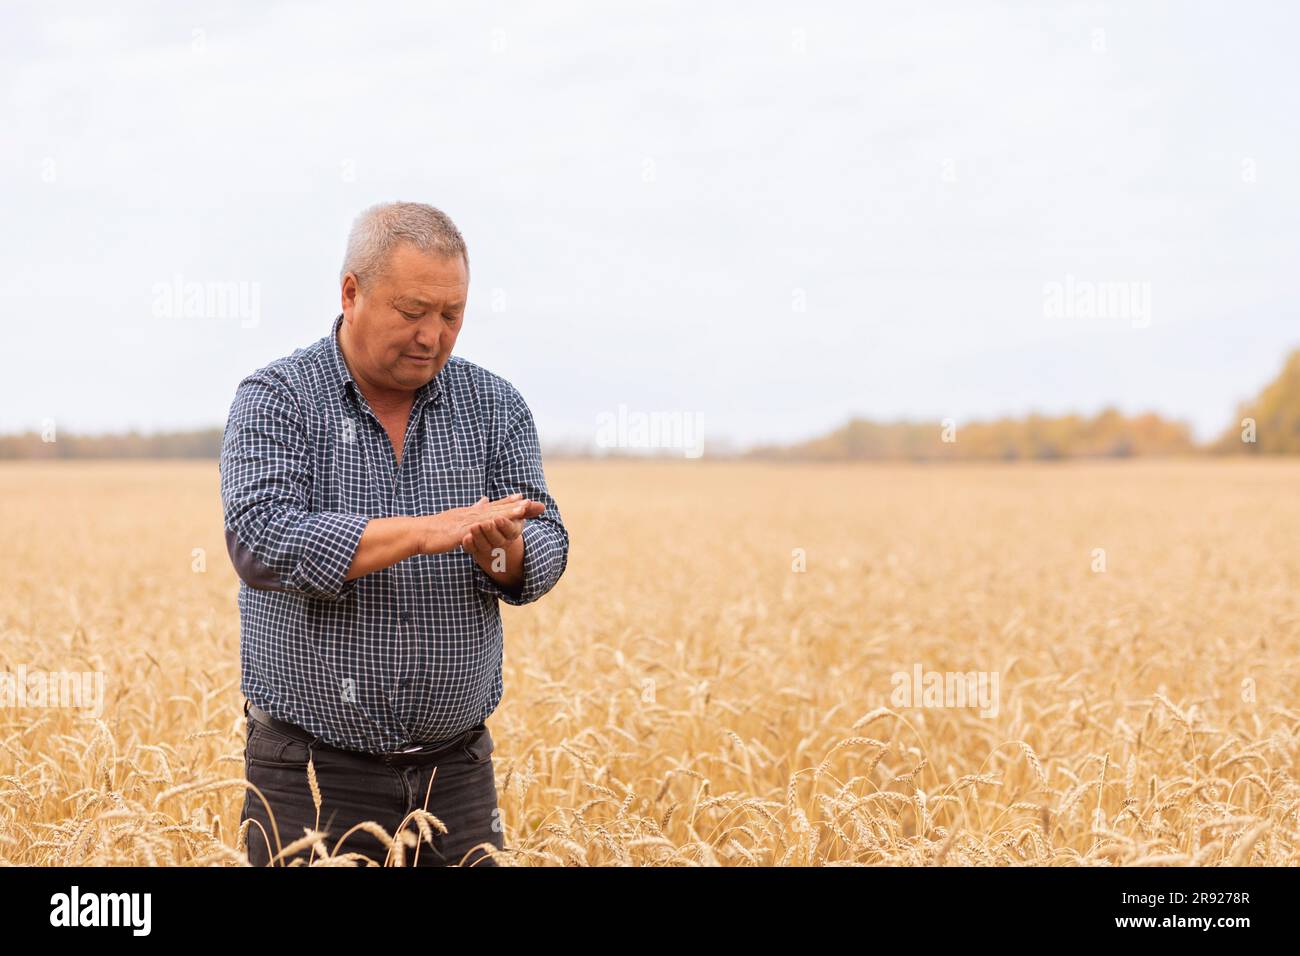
x=415, y=753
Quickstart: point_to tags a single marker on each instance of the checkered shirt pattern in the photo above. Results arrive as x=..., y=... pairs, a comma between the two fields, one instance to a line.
x=410, y=654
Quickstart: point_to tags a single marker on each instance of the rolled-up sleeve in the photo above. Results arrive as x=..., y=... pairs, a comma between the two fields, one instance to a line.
x=275, y=542
x=517, y=468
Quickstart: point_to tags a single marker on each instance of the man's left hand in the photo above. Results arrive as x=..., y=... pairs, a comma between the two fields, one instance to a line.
x=486, y=537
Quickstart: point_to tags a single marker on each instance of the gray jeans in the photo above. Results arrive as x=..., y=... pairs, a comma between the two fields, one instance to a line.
x=355, y=787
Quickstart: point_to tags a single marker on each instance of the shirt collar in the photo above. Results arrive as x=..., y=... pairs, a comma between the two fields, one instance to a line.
x=431, y=391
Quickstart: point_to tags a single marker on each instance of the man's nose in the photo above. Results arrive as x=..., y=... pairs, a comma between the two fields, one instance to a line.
x=426, y=336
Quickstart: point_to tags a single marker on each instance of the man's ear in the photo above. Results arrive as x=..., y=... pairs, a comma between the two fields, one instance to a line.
x=349, y=293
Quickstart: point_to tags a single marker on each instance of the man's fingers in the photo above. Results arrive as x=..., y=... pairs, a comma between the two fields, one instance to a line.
x=513, y=507
x=494, y=533
x=483, y=536
x=521, y=508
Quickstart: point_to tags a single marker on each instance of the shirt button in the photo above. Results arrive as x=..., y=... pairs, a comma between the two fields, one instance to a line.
x=406, y=617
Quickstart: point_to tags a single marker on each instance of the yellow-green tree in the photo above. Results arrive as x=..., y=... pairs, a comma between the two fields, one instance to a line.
x=1269, y=425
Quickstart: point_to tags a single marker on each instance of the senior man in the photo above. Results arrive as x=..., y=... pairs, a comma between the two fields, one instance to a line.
x=381, y=496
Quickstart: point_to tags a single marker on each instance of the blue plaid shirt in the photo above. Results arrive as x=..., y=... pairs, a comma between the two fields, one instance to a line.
x=409, y=654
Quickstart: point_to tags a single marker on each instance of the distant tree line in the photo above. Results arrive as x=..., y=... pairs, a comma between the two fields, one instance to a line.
x=205, y=443
x=1108, y=435
x=1268, y=425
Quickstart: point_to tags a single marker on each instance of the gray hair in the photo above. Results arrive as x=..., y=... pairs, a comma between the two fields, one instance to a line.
x=381, y=228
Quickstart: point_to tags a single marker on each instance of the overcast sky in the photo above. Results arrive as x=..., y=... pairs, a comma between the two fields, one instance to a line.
x=773, y=216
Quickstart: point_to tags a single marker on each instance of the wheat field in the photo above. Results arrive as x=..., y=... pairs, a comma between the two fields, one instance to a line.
x=713, y=681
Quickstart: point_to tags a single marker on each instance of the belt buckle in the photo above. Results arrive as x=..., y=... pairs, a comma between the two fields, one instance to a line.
x=429, y=748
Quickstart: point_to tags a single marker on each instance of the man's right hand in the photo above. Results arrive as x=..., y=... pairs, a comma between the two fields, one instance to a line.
x=444, y=531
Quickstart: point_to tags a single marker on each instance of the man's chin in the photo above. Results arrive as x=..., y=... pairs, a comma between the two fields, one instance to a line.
x=416, y=375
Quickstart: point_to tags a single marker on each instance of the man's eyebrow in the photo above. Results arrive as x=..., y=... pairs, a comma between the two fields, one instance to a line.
x=411, y=300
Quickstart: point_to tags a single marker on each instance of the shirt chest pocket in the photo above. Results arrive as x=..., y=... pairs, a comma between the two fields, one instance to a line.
x=452, y=466
x=456, y=487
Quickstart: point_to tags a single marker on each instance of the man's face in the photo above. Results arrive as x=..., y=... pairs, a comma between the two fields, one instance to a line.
x=403, y=325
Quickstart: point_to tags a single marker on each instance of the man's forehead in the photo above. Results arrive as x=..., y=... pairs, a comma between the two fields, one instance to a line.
x=408, y=266
x=407, y=258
